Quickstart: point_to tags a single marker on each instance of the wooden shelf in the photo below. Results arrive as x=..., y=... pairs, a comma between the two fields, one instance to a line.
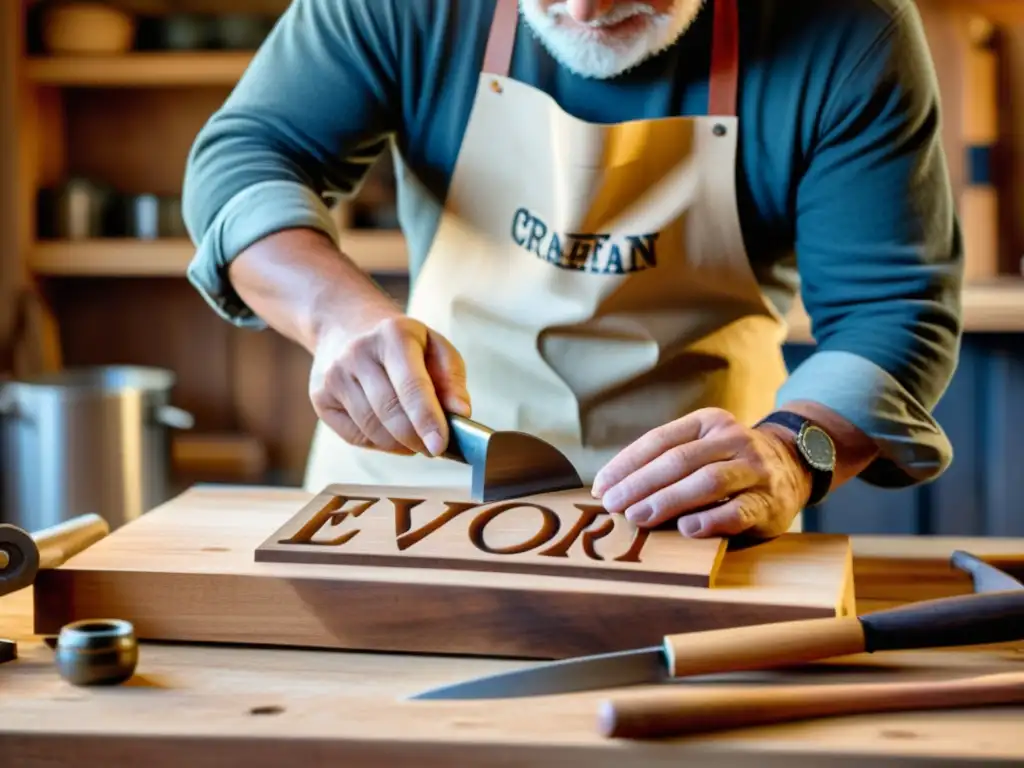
x=996, y=307
x=214, y=68
x=375, y=251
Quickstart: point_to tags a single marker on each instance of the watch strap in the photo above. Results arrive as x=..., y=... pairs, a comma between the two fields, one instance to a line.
x=821, y=479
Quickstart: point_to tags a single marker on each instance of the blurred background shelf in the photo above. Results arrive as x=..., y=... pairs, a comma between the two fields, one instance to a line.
x=375, y=251
x=171, y=69
x=995, y=307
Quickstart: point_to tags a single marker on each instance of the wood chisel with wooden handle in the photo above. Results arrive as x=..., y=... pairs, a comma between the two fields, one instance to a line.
x=684, y=712
x=977, y=619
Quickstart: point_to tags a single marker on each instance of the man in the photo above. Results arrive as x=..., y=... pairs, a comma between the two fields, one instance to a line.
x=609, y=207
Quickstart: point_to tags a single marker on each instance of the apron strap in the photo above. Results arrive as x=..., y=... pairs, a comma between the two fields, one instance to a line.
x=725, y=51
x=723, y=85
x=498, y=56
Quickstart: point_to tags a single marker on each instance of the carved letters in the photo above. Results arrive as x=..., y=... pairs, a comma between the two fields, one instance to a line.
x=563, y=534
x=340, y=508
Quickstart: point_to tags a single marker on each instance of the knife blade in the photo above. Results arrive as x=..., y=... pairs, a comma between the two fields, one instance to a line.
x=967, y=620
x=607, y=670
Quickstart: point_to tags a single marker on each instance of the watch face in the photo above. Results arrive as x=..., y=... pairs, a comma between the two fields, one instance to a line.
x=818, y=449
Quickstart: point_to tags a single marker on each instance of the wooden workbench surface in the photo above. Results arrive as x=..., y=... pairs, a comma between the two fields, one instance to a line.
x=204, y=706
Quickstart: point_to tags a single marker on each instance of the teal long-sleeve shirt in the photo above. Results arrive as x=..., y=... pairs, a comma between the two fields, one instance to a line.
x=843, y=188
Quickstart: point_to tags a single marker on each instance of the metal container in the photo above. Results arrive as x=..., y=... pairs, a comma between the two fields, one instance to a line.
x=86, y=441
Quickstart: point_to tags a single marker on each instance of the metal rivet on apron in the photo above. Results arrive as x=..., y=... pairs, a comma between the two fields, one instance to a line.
x=496, y=86
x=719, y=129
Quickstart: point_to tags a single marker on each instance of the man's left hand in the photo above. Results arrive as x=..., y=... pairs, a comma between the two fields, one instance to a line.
x=719, y=477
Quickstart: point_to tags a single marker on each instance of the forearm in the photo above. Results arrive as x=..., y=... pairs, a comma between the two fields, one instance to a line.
x=297, y=280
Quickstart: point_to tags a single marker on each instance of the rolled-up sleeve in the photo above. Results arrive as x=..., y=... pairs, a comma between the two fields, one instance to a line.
x=305, y=122
x=879, y=253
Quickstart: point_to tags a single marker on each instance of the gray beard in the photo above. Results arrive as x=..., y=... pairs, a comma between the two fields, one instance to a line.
x=601, y=62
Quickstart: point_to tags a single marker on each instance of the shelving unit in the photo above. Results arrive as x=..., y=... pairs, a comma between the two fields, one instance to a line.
x=379, y=252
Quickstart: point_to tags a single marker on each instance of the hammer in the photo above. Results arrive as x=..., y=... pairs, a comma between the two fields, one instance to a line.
x=22, y=555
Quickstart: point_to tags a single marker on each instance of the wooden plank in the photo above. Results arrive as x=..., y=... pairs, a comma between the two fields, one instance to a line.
x=205, y=706
x=10, y=226
x=979, y=123
x=374, y=250
x=206, y=68
x=895, y=570
x=559, y=534
x=1012, y=134
x=186, y=571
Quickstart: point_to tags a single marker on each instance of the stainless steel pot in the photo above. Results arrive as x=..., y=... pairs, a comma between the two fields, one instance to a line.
x=91, y=440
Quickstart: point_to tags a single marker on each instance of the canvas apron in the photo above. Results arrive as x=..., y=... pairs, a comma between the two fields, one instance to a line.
x=593, y=277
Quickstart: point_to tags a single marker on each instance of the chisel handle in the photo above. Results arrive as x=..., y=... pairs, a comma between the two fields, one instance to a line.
x=682, y=712
x=762, y=646
x=964, y=620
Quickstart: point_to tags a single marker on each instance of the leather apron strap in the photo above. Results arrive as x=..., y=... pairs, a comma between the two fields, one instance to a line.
x=723, y=85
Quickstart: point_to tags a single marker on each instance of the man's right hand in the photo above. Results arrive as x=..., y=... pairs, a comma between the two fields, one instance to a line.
x=388, y=387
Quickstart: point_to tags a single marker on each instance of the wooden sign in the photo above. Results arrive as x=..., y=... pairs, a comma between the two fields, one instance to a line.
x=186, y=572
x=566, y=533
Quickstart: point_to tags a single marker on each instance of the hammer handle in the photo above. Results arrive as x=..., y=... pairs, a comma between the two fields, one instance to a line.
x=678, y=713
x=61, y=542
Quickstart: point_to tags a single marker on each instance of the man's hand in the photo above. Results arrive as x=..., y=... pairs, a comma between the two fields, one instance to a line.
x=718, y=477
x=387, y=387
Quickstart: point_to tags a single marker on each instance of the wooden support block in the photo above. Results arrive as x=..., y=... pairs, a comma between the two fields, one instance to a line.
x=187, y=571
x=563, y=533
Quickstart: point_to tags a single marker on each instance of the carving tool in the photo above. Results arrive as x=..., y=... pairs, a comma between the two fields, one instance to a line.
x=682, y=712
x=985, y=576
x=507, y=464
x=23, y=555
x=976, y=619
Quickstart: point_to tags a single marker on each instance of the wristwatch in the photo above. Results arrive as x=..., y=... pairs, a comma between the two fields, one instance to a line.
x=815, y=448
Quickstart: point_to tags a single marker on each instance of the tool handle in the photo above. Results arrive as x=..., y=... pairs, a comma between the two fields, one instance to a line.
x=679, y=713
x=978, y=619
x=467, y=439
x=762, y=646
x=61, y=542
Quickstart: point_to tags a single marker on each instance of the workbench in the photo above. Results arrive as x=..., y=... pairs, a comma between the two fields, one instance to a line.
x=203, y=705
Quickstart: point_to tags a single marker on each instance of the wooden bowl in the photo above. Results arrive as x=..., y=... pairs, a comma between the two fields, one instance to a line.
x=87, y=28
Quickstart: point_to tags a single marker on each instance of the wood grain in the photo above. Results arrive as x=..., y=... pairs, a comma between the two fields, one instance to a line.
x=186, y=571
x=894, y=571
x=558, y=534
x=205, y=706
x=10, y=261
